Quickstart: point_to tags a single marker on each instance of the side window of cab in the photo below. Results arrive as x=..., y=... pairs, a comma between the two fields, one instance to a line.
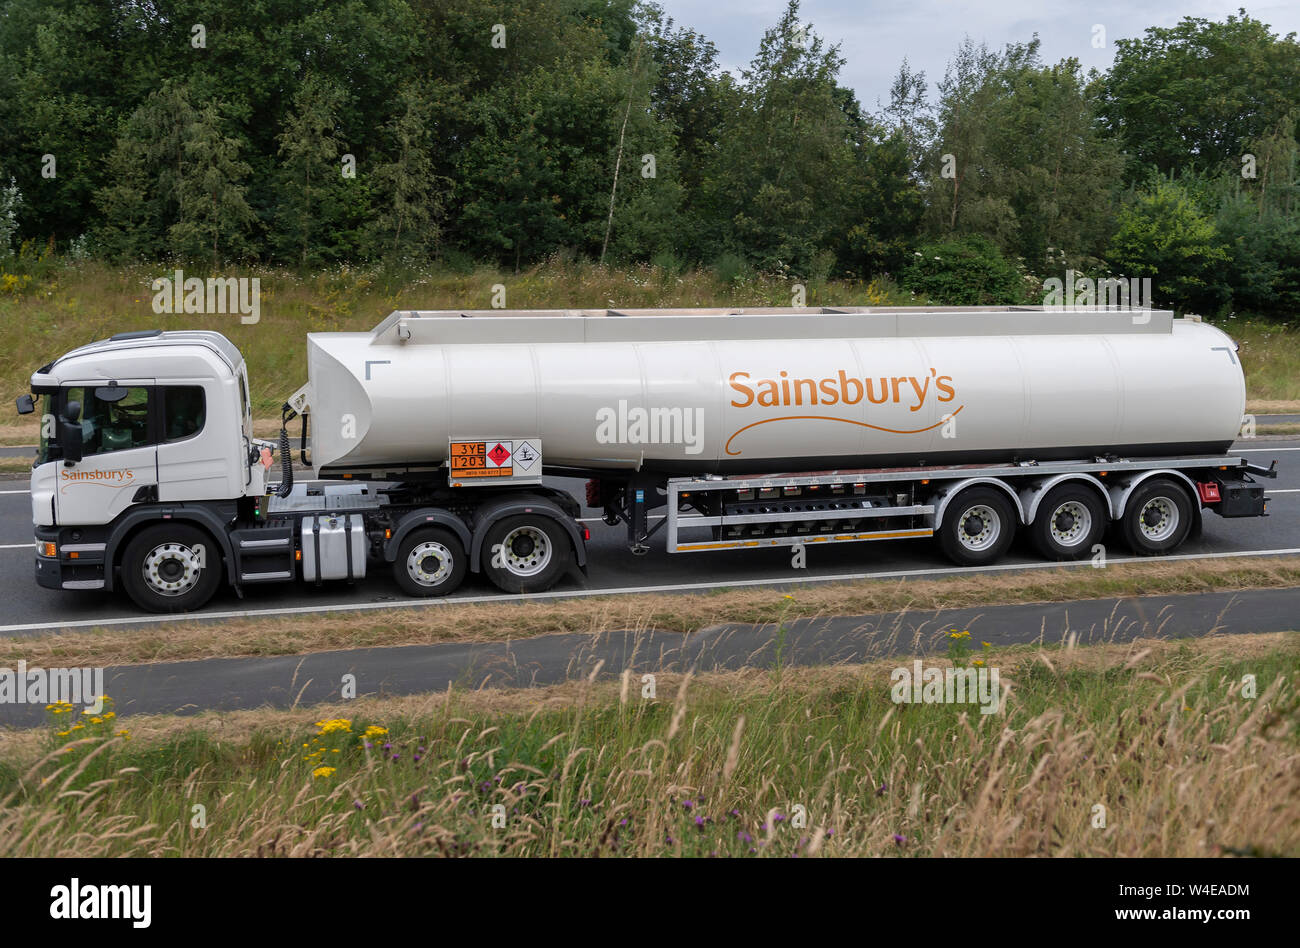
x=107, y=426
x=184, y=410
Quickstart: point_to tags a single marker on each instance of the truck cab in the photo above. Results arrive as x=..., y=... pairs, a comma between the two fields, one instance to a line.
x=129, y=425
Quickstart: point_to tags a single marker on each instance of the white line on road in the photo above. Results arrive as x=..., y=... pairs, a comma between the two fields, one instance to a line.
x=622, y=591
x=15, y=491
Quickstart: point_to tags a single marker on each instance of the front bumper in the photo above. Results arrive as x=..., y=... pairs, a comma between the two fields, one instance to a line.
x=78, y=562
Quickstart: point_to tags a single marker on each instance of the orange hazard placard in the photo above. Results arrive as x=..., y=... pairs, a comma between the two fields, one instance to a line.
x=480, y=459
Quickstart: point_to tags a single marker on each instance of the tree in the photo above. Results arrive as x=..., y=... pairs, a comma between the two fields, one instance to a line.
x=310, y=146
x=142, y=199
x=779, y=181
x=1165, y=236
x=411, y=195
x=213, y=209
x=1192, y=96
x=1020, y=157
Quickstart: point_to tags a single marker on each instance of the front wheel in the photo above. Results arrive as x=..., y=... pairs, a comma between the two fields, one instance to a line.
x=171, y=567
x=977, y=527
x=526, y=554
x=430, y=562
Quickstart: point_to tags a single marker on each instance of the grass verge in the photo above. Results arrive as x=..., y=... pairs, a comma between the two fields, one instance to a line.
x=1145, y=749
x=186, y=638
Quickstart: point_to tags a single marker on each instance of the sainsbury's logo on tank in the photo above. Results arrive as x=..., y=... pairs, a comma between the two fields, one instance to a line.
x=841, y=389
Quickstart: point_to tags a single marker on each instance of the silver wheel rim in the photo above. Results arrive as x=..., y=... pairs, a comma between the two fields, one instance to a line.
x=172, y=569
x=1080, y=528
x=1164, y=514
x=532, y=562
x=989, y=523
x=417, y=565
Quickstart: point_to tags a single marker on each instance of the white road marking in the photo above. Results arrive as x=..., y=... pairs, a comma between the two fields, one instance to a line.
x=15, y=491
x=620, y=591
x=31, y=545
x=1260, y=450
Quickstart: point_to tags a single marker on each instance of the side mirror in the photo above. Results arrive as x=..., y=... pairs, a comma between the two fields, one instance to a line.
x=26, y=404
x=70, y=440
x=72, y=412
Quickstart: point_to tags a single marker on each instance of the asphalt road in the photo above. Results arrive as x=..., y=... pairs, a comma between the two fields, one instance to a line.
x=26, y=608
x=227, y=684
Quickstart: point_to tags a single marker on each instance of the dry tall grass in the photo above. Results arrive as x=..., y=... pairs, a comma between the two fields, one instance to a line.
x=1157, y=741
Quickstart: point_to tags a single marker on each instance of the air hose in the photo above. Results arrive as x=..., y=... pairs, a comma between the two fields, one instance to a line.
x=286, y=453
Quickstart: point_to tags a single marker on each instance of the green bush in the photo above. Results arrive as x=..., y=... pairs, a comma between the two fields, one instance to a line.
x=966, y=271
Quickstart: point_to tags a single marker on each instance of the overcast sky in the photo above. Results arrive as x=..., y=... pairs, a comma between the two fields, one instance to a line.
x=875, y=36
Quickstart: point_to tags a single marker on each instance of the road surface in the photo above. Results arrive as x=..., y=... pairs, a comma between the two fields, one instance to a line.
x=27, y=608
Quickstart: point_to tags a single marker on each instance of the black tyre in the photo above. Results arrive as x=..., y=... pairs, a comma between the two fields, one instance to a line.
x=1069, y=522
x=172, y=567
x=1157, y=517
x=430, y=562
x=978, y=526
x=526, y=554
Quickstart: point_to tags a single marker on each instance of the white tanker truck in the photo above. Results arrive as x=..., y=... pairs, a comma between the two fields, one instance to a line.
x=429, y=436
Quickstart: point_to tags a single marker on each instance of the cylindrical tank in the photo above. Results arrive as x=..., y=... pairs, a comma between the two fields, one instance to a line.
x=774, y=390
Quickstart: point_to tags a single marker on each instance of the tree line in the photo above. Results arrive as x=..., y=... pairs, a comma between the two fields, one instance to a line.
x=359, y=131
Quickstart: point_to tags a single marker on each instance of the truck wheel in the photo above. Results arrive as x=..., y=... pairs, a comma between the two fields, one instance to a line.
x=977, y=527
x=1157, y=517
x=171, y=567
x=1070, y=520
x=526, y=554
x=430, y=562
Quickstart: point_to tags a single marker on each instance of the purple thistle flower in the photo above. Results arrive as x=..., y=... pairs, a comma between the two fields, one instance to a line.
x=688, y=803
x=358, y=804
x=883, y=787
x=744, y=837
x=899, y=839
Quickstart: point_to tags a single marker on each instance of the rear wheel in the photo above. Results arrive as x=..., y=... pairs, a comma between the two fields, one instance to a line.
x=430, y=562
x=978, y=526
x=527, y=553
x=1157, y=517
x=171, y=567
x=1070, y=520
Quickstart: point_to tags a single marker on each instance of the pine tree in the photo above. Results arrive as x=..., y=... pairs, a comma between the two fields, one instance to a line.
x=309, y=147
x=211, y=195
x=408, y=186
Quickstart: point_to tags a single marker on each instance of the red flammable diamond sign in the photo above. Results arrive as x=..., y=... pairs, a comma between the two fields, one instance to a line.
x=499, y=455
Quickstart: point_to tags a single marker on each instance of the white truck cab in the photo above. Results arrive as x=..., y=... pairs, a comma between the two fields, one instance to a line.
x=137, y=420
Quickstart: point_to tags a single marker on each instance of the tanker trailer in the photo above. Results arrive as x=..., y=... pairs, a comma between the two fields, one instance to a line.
x=749, y=429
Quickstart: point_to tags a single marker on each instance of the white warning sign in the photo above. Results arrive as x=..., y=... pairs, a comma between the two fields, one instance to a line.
x=526, y=455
